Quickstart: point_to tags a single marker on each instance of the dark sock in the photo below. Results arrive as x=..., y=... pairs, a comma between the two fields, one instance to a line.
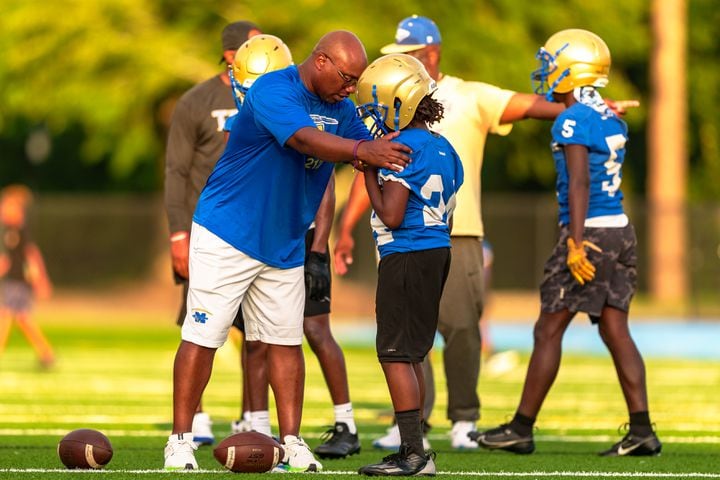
x=522, y=425
x=640, y=424
x=410, y=427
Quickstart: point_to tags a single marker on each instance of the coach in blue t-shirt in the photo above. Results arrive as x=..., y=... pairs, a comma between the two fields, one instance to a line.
x=247, y=240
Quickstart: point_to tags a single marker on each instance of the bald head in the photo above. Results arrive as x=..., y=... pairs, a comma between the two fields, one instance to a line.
x=344, y=46
x=334, y=66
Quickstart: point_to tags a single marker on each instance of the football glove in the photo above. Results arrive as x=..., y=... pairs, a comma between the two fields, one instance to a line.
x=317, y=276
x=580, y=267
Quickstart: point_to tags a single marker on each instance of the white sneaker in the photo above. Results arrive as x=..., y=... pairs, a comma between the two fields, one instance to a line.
x=240, y=426
x=429, y=468
x=180, y=452
x=391, y=441
x=202, y=429
x=459, y=438
x=298, y=457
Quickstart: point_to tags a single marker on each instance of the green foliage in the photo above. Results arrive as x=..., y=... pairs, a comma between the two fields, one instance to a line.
x=110, y=70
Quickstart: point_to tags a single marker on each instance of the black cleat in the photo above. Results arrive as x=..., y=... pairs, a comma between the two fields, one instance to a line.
x=635, y=446
x=402, y=464
x=338, y=443
x=504, y=438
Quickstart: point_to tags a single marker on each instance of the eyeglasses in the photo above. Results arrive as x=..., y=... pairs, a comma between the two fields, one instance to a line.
x=348, y=80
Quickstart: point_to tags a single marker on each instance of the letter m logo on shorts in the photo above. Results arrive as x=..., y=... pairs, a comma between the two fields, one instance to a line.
x=199, y=317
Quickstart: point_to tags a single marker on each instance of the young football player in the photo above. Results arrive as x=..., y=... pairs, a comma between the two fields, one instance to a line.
x=23, y=273
x=411, y=216
x=593, y=267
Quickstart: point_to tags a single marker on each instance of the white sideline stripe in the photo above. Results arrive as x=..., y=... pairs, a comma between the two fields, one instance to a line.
x=439, y=436
x=460, y=474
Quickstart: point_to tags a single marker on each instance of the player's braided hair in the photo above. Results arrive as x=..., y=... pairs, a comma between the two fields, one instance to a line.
x=429, y=110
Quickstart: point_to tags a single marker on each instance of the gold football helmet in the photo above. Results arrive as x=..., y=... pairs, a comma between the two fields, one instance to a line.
x=571, y=58
x=260, y=54
x=389, y=91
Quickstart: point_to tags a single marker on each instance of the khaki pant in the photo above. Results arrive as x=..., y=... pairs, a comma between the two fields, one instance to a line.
x=460, y=310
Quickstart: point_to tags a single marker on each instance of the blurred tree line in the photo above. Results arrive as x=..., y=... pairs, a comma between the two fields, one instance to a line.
x=87, y=86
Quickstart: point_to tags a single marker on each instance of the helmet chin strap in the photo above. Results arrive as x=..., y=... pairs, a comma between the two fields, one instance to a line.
x=396, y=120
x=237, y=91
x=548, y=95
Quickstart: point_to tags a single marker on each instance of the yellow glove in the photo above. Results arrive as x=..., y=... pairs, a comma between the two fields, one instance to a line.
x=580, y=267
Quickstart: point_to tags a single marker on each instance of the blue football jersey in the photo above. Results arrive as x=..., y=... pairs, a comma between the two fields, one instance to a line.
x=605, y=137
x=433, y=178
x=262, y=196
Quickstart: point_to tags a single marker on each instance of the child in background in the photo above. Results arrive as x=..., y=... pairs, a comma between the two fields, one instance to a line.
x=22, y=273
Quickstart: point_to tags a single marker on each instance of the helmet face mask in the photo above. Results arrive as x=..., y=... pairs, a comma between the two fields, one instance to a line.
x=260, y=54
x=374, y=115
x=390, y=90
x=570, y=59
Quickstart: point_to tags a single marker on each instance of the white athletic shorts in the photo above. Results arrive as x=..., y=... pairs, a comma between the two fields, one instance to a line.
x=222, y=278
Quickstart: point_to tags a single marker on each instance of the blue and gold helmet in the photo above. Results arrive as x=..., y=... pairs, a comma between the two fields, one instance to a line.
x=569, y=59
x=389, y=91
x=257, y=56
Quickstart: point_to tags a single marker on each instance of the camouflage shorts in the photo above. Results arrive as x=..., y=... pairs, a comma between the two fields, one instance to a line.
x=615, y=276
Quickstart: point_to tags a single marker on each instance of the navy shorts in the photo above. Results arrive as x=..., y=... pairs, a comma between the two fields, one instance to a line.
x=407, y=303
x=615, y=274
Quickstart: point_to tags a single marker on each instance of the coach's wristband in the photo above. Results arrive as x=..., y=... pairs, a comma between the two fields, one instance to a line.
x=176, y=237
x=357, y=163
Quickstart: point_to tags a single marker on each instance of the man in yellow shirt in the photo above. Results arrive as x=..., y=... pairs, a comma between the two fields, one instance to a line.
x=472, y=110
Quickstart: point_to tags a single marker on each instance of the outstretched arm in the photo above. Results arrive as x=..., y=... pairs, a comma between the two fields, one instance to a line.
x=529, y=105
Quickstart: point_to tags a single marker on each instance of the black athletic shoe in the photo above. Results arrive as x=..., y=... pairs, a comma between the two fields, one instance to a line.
x=504, y=438
x=402, y=464
x=338, y=442
x=635, y=446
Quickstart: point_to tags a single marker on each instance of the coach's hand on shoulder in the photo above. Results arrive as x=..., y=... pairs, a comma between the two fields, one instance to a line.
x=580, y=267
x=317, y=276
x=384, y=153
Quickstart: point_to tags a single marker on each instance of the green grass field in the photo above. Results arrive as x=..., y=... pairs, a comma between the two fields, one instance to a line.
x=114, y=374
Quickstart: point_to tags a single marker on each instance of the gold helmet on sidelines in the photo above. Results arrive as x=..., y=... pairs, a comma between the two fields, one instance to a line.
x=260, y=54
x=569, y=59
x=389, y=91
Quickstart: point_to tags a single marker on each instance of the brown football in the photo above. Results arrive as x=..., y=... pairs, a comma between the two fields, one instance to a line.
x=85, y=448
x=249, y=452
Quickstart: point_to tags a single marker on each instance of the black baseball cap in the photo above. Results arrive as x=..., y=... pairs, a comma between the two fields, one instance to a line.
x=235, y=34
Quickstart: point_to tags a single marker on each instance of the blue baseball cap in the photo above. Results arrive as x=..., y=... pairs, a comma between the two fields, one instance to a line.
x=413, y=33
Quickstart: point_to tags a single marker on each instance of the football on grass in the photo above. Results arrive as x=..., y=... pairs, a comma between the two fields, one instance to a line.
x=249, y=452
x=85, y=448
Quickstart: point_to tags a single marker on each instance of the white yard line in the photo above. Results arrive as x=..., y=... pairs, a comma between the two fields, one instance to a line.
x=484, y=473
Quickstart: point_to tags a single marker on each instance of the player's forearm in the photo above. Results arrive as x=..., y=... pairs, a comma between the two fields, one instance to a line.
x=324, y=218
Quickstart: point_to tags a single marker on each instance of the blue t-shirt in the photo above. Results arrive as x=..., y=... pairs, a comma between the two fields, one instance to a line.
x=262, y=196
x=229, y=122
x=605, y=137
x=433, y=178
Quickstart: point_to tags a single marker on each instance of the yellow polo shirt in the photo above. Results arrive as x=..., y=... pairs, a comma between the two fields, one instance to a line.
x=472, y=110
